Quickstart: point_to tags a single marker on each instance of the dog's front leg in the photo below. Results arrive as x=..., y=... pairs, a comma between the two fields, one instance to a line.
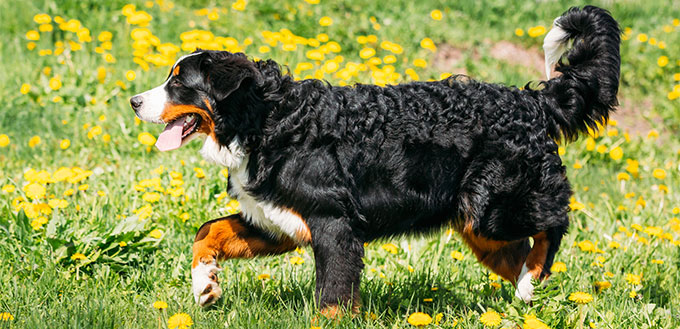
x=338, y=250
x=224, y=238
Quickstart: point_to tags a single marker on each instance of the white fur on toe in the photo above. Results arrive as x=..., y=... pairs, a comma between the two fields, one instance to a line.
x=204, y=284
x=525, y=289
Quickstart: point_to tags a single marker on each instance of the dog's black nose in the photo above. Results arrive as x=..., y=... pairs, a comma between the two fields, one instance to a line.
x=136, y=102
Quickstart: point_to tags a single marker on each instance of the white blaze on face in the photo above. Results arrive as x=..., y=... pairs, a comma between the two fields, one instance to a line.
x=154, y=100
x=153, y=103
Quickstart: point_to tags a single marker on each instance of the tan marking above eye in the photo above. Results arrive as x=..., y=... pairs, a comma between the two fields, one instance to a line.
x=175, y=71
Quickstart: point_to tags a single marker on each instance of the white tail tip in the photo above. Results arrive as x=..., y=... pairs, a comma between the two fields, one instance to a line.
x=554, y=46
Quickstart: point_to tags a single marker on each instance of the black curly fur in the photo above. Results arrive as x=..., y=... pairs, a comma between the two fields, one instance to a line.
x=364, y=162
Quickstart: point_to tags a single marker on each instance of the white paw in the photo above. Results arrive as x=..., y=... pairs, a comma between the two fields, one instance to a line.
x=204, y=283
x=525, y=289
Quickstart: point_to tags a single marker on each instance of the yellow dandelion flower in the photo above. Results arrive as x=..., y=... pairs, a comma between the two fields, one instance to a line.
x=419, y=319
x=110, y=59
x=367, y=53
x=575, y=205
x=326, y=21
x=428, y=44
x=146, y=139
x=159, y=305
x=419, y=62
x=659, y=173
x=130, y=75
x=616, y=153
x=64, y=144
x=105, y=36
x=391, y=248
x=58, y=203
x=602, y=149
x=457, y=255
x=297, y=260
x=78, y=256
x=34, y=141
x=264, y=276
x=519, y=32
x=199, y=172
x=436, y=14
x=8, y=188
x=101, y=74
x=25, y=89
x=35, y=191
x=558, y=267
x=156, y=234
x=642, y=37
x=532, y=322
x=622, y=176
x=633, y=279
x=151, y=197
x=662, y=61
x=657, y=261
x=602, y=285
x=653, y=134
x=312, y=2
x=4, y=140
x=239, y=5
x=55, y=83
x=6, y=316
x=42, y=19
x=632, y=294
x=490, y=318
x=180, y=321
x=536, y=31
x=33, y=35
x=580, y=297
x=590, y=144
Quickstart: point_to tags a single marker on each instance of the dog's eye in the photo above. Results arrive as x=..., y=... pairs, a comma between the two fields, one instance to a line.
x=175, y=83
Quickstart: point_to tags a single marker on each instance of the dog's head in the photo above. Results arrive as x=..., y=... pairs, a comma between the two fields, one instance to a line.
x=190, y=100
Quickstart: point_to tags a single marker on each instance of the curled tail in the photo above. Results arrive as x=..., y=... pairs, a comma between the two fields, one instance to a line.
x=585, y=92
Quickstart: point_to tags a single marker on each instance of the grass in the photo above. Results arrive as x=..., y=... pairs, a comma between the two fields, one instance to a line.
x=66, y=267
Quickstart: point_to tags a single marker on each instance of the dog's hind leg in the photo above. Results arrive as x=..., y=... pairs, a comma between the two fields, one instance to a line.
x=224, y=238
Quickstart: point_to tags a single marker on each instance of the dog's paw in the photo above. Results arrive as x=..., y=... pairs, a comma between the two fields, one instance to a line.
x=525, y=289
x=204, y=283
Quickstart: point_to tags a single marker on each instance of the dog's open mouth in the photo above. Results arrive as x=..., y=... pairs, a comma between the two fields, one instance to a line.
x=177, y=131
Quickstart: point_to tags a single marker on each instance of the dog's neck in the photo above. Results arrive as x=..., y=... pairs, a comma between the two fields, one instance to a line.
x=249, y=108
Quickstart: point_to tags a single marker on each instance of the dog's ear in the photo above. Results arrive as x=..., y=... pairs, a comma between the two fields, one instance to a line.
x=226, y=72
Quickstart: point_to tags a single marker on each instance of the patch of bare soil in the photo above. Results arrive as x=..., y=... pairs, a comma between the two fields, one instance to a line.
x=509, y=52
x=634, y=116
x=449, y=59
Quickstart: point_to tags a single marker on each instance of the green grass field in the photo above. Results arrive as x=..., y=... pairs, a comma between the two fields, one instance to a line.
x=96, y=225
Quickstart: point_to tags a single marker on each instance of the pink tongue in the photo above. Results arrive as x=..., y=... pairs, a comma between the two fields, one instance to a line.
x=171, y=137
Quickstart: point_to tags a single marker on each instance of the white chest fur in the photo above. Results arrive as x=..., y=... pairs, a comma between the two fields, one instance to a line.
x=270, y=218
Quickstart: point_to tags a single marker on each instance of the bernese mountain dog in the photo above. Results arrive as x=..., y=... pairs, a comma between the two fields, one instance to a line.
x=334, y=167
